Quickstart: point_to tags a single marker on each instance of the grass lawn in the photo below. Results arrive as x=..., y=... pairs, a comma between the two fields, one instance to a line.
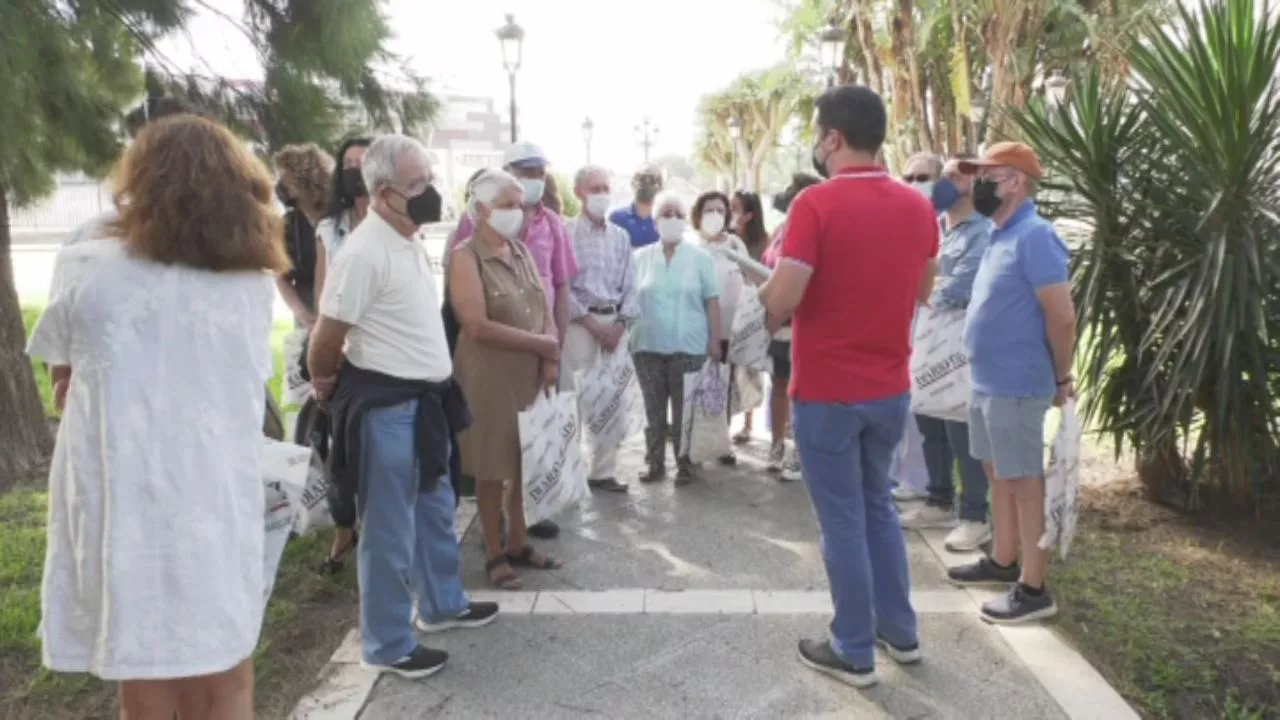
x=1182, y=617
x=305, y=620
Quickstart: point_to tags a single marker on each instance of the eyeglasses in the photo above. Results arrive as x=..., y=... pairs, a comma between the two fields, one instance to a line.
x=917, y=178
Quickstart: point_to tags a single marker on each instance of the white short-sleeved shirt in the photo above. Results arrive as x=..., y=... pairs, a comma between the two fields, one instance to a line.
x=154, y=563
x=383, y=286
x=333, y=235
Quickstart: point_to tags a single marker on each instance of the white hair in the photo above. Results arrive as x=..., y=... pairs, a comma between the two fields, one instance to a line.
x=383, y=158
x=669, y=199
x=584, y=175
x=486, y=188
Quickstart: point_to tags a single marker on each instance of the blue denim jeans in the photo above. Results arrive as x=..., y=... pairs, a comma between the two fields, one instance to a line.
x=408, y=542
x=945, y=443
x=845, y=451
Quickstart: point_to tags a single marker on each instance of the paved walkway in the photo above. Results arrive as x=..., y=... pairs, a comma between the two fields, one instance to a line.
x=687, y=603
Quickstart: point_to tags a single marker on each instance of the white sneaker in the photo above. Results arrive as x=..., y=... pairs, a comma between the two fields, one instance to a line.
x=791, y=469
x=902, y=493
x=968, y=536
x=928, y=516
x=777, y=454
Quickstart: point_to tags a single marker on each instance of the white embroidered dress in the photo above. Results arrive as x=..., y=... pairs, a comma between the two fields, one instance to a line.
x=154, y=561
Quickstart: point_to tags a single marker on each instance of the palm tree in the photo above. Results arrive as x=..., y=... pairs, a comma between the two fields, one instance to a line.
x=1179, y=284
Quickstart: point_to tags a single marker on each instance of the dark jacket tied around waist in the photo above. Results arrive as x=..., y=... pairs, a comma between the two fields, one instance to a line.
x=442, y=413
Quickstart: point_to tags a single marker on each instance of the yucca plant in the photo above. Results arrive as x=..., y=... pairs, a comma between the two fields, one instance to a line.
x=1178, y=175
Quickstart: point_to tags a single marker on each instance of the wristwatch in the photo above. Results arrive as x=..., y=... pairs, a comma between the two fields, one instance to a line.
x=1066, y=380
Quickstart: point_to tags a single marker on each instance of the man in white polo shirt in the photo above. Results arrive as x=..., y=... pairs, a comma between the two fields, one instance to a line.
x=394, y=406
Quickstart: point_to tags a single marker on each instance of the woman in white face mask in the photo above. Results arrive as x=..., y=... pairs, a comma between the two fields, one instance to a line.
x=507, y=351
x=678, y=328
x=712, y=218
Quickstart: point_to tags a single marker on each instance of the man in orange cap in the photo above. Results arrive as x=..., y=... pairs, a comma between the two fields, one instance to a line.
x=1020, y=335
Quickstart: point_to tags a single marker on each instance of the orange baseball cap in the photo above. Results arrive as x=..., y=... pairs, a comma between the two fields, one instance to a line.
x=1016, y=155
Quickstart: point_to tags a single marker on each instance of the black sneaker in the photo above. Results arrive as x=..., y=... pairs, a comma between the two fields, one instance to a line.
x=546, y=530
x=1020, y=606
x=984, y=572
x=477, y=614
x=902, y=654
x=421, y=662
x=817, y=654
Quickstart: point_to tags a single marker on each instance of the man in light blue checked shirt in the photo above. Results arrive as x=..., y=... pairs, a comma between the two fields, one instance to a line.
x=602, y=298
x=965, y=240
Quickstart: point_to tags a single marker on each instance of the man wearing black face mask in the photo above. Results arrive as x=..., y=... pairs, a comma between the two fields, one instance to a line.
x=394, y=407
x=857, y=242
x=1020, y=334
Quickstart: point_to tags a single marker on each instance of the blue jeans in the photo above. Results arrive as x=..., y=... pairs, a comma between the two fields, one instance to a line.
x=845, y=451
x=408, y=542
x=945, y=442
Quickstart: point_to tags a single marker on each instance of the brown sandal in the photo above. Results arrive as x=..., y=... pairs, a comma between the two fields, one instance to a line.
x=509, y=580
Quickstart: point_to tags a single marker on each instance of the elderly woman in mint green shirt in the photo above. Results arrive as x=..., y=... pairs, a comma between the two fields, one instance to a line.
x=677, y=330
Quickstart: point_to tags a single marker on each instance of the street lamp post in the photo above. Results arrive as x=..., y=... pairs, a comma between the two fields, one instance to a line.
x=588, y=127
x=735, y=133
x=511, y=36
x=646, y=136
x=831, y=42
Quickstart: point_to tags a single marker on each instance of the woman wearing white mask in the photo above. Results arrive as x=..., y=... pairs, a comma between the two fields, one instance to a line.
x=507, y=351
x=678, y=328
x=712, y=217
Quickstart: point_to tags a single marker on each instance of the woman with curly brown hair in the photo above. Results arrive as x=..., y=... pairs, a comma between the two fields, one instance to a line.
x=161, y=349
x=306, y=174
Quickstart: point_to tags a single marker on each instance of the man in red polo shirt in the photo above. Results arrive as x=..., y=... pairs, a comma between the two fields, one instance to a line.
x=857, y=260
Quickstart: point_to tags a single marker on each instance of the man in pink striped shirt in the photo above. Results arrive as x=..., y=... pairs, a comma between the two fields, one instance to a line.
x=549, y=244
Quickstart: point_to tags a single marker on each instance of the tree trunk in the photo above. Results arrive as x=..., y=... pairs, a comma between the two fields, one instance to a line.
x=25, y=441
x=866, y=36
x=915, y=79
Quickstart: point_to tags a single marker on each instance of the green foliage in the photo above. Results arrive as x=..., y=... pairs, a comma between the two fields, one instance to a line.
x=1179, y=284
x=569, y=205
x=67, y=73
x=764, y=102
x=327, y=73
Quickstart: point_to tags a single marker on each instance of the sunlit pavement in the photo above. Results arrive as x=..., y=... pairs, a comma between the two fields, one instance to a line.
x=687, y=603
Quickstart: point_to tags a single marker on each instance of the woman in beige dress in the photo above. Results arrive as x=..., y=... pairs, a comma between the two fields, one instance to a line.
x=507, y=352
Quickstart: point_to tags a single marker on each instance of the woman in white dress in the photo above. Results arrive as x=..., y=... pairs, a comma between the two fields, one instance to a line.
x=160, y=347
x=711, y=218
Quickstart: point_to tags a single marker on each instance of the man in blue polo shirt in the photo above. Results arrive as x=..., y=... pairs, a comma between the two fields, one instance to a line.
x=637, y=218
x=1020, y=335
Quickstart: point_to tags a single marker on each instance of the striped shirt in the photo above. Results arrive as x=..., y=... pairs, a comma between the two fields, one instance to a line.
x=606, y=272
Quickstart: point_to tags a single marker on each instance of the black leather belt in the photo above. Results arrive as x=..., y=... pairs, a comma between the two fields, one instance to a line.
x=603, y=309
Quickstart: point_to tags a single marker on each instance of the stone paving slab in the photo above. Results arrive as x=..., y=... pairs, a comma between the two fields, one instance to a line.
x=739, y=528
x=651, y=667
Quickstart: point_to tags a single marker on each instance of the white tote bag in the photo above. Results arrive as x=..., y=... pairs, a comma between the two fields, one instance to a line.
x=311, y=501
x=940, y=384
x=551, y=456
x=610, y=403
x=747, y=392
x=1062, y=483
x=704, y=432
x=749, y=337
x=284, y=472
x=294, y=391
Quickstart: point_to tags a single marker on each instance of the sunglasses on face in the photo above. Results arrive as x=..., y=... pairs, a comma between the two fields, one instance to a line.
x=917, y=178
